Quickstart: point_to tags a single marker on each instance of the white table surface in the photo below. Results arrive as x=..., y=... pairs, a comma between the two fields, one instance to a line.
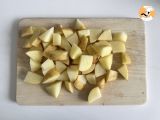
x=11, y=11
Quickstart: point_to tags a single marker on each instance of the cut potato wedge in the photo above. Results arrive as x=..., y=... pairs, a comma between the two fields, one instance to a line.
x=45, y=45
x=120, y=36
x=59, y=55
x=79, y=25
x=123, y=70
x=106, y=61
x=47, y=36
x=28, y=31
x=111, y=75
x=48, y=51
x=126, y=59
x=35, y=55
x=65, y=44
x=33, y=78
x=89, y=70
x=47, y=65
x=99, y=70
x=101, y=82
x=58, y=29
x=63, y=76
x=73, y=39
x=54, y=89
x=51, y=76
x=85, y=62
x=83, y=43
x=80, y=83
x=69, y=86
x=60, y=66
x=67, y=32
x=118, y=47
x=67, y=61
x=94, y=34
x=72, y=72
x=94, y=95
x=76, y=61
x=85, y=33
x=90, y=50
x=91, y=78
x=106, y=35
x=75, y=51
x=57, y=39
x=35, y=66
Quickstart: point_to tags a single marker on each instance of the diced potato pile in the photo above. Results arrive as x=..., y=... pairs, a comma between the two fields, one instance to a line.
x=75, y=57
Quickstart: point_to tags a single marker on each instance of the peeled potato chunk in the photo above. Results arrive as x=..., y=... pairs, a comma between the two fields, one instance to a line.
x=111, y=75
x=35, y=55
x=59, y=55
x=65, y=44
x=85, y=33
x=80, y=83
x=94, y=95
x=60, y=66
x=106, y=61
x=118, y=47
x=106, y=35
x=67, y=32
x=83, y=43
x=79, y=25
x=126, y=59
x=90, y=50
x=47, y=36
x=51, y=76
x=35, y=66
x=75, y=52
x=123, y=70
x=94, y=34
x=89, y=70
x=76, y=61
x=99, y=70
x=47, y=65
x=63, y=76
x=27, y=31
x=57, y=39
x=54, y=89
x=72, y=72
x=73, y=39
x=91, y=78
x=120, y=36
x=101, y=82
x=49, y=50
x=69, y=86
x=85, y=62
x=33, y=78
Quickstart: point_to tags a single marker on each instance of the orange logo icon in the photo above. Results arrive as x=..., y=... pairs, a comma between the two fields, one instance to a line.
x=146, y=13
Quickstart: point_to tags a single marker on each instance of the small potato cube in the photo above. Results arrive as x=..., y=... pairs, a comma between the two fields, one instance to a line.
x=94, y=34
x=47, y=65
x=27, y=31
x=69, y=86
x=75, y=52
x=89, y=70
x=67, y=32
x=106, y=61
x=123, y=70
x=94, y=95
x=91, y=78
x=35, y=66
x=85, y=33
x=72, y=72
x=111, y=75
x=85, y=62
x=35, y=55
x=80, y=83
x=73, y=39
x=99, y=70
x=101, y=82
x=57, y=39
x=65, y=44
x=83, y=43
x=47, y=36
x=106, y=35
x=79, y=25
x=59, y=55
x=118, y=47
x=120, y=36
x=60, y=66
x=126, y=59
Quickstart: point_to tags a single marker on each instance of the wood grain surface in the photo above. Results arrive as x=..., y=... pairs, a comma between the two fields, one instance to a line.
x=119, y=92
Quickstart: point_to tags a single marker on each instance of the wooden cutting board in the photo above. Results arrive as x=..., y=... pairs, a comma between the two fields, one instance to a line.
x=120, y=92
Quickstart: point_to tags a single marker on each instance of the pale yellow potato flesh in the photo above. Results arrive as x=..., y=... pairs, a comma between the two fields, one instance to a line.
x=57, y=39
x=69, y=86
x=47, y=65
x=111, y=75
x=73, y=39
x=79, y=25
x=125, y=58
x=35, y=66
x=27, y=31
x=67, y=32
x=91, y=78
x=85, y=62
x=123, y=70
x=120, y=36
x=80, y=83
x=106, y=35
x=106, y=61
x=118, y=47
x=94, y=95
x=72, y=72
x=75, y=52
x=94, y=34
x=47, y=36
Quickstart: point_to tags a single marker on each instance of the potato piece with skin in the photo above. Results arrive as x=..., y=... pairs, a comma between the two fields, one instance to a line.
x=89, y=70
x=111, y=75
x=69, y=86
x=75, y=52
x=65, y=44
x=101, y=82
x=94, y=34
x=63, y=76
x=51, y=76
x=82, y=33
x=47, y=65
x=106, y=61
x=94, y=95
x=33, y=78
x=85, y=62
x=35, y=55
x=106, y=35
x=57, y=39
x=28, y=31
x=59, y=55
x=125, y=58
x=80, y=83
x=118, y=47
x=72, y=72
x=35, y=66
x=67, y=32
x=54, y=88
x=120, y=36
x=73, y=39
x=91, y=78
x=99, y=70
x=123, y=70
x=60, y=66
x=83, y=43
x=47, y=36
x=79, y=25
